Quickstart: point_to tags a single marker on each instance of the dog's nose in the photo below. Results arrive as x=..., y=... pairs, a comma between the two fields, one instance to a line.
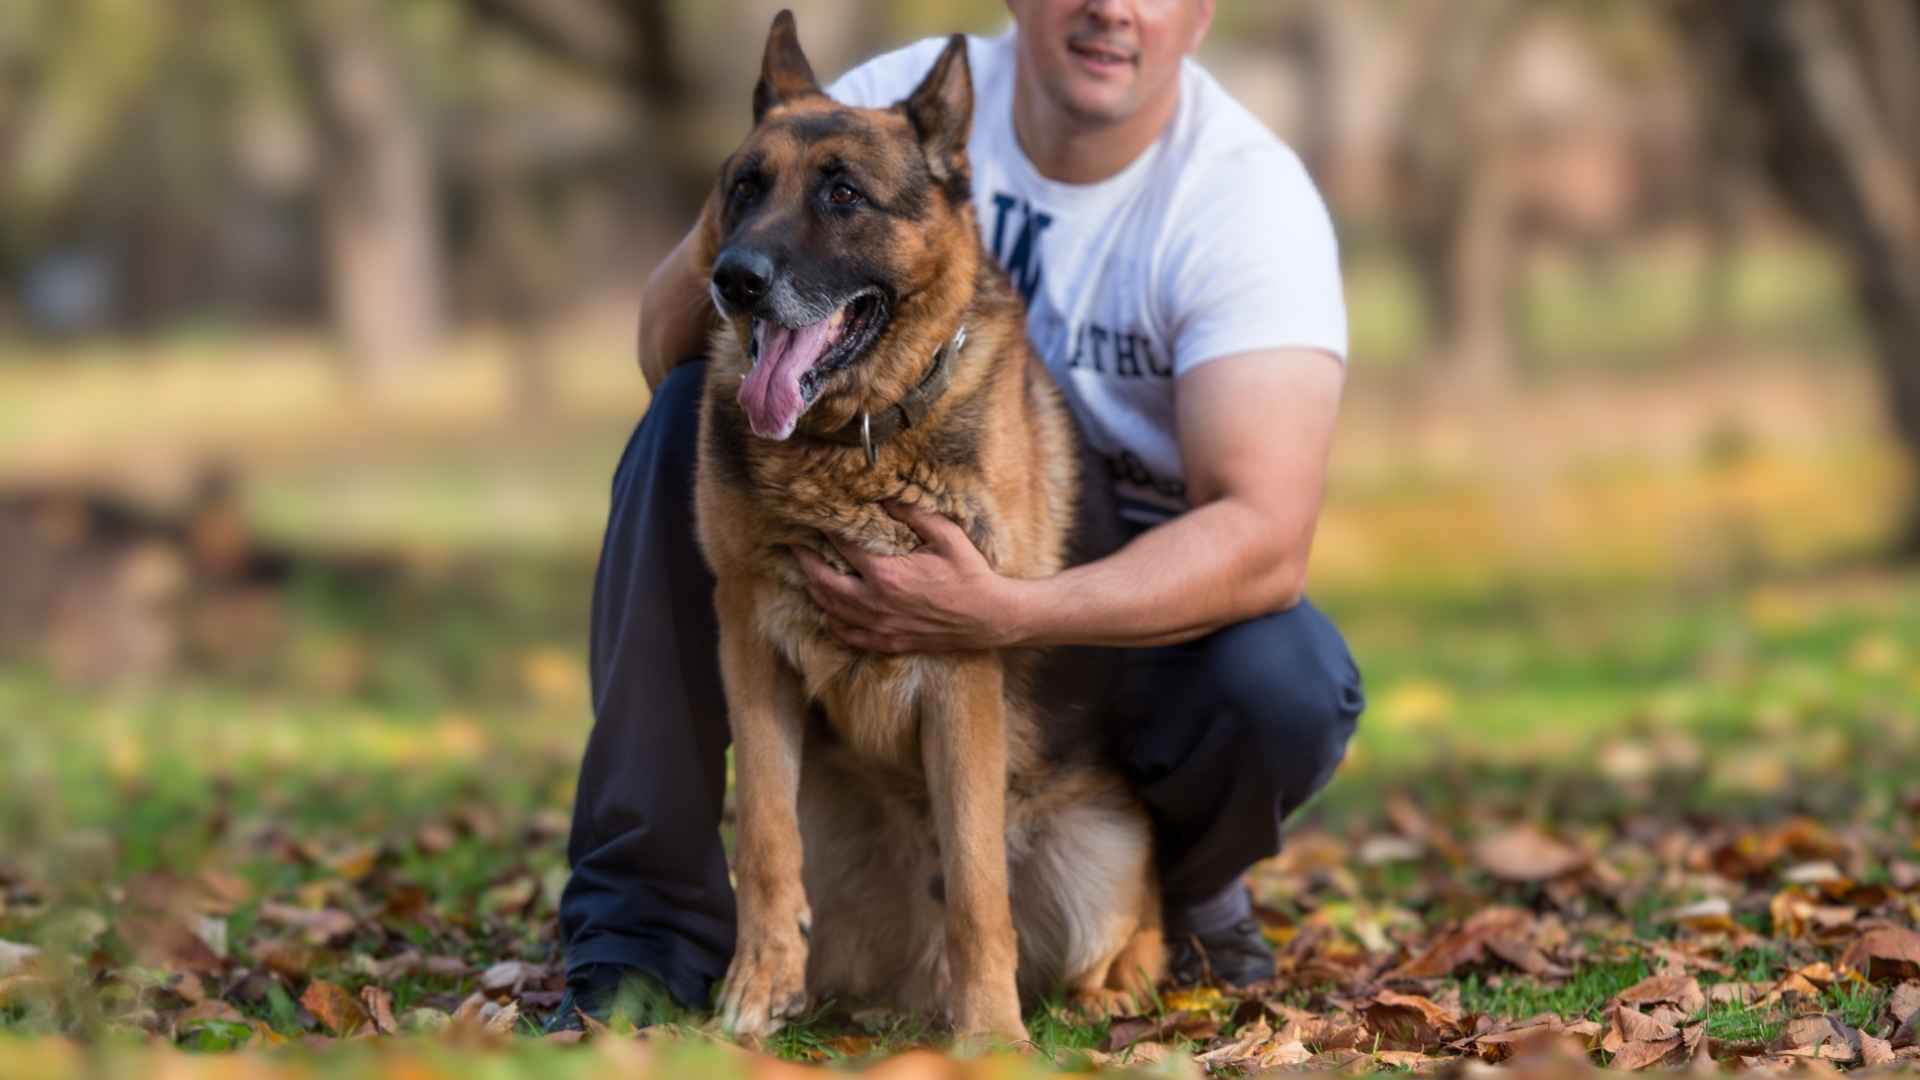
x=742, y=277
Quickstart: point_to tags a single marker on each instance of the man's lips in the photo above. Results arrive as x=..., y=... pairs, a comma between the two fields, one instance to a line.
x=1101, y=58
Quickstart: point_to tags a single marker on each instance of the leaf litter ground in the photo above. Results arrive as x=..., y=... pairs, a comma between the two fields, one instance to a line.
x=1726, y=876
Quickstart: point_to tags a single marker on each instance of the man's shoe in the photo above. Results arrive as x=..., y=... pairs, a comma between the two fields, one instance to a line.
x=1218, y=941
x=1238, y=956
x=606, y=991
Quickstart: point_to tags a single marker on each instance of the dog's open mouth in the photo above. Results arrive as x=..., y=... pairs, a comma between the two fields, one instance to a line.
x=789, y=362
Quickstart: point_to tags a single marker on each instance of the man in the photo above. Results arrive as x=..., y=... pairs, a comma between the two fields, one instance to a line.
x=1183, y=287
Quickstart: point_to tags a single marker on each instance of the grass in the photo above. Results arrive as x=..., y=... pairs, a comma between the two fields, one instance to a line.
x=1688, y=633
x=1582, y=995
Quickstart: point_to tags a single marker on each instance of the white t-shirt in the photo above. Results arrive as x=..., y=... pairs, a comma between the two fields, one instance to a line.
x=1213, y=242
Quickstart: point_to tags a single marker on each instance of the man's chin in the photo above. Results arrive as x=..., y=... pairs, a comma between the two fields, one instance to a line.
x=1098, y=103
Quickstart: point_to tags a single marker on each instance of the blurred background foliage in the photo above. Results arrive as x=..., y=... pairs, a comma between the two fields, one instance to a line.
x=316, y=328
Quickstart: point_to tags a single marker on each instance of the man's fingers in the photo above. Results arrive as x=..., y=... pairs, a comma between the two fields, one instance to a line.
x=857, y=557
x=937, y=531
x=812, y=565
x=820, y=574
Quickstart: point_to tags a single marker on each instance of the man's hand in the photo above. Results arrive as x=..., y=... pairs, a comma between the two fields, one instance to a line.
x=941, y=597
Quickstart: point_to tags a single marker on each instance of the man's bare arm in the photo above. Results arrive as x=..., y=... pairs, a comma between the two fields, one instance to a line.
x=1255, y=433
x=675, y=313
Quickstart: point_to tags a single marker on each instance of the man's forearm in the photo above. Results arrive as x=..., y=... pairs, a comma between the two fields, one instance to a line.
x=1211, y=567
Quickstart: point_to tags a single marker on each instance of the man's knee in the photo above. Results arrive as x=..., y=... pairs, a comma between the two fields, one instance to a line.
x=1295, y=692
x=675, y=407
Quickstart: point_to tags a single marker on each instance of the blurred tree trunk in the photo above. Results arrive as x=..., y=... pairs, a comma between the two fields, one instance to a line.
x=1305, y=38
x=378, y=209
x=1455, y=207
x=1835, y=101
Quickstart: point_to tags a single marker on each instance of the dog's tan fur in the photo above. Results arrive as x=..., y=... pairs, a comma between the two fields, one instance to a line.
x=890, y=806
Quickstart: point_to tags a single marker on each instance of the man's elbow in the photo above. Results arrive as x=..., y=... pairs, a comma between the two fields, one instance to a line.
x=1286, y=584
x=1278, y=585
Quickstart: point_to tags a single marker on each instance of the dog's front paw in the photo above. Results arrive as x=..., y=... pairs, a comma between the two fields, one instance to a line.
x=766, y=984
x=1102, y=1003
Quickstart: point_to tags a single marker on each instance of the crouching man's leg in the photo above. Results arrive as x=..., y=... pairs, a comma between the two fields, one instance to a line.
x=649, y=893
x=1230, y=734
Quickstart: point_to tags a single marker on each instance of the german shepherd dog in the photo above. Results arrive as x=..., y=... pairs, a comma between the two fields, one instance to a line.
x=911, y=829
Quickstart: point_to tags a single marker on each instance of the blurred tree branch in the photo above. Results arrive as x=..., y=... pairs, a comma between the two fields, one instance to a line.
x=628, y=44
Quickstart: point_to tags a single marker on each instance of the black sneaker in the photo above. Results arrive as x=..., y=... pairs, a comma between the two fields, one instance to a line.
x=1218, y=941
x=604, y=991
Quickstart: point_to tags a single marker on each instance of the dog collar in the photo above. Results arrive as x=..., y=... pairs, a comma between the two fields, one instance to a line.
x=870, y=430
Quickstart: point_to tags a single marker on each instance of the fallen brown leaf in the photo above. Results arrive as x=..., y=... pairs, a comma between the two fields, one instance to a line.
x=1794, y=986
x=1904, y=1001
x=511, y=897
x=1908, y=1033
x=435, y=838
x=221, y=892
x=1409, y=1021
x=378, y=1002
x=499, y=1019
x=168, y=940
x=1524, y=956
x=1125, y=1031
x=1254, y=1048
x=510, y=976
x=1640, y=1055
x=354, y=863
x=320, y=926
x=1682, y=991
x=1525, y=853
x=468, y=1011
x=1411, y=1060
x=1630, y=1025
x=1465, y=944
x=284, y=956
x=1734, y=993
x=1875, y=1051
x=1147, y=1053
x=334, y=1007
x=843, y=1046
x=1711, y=916
x=1886, y=954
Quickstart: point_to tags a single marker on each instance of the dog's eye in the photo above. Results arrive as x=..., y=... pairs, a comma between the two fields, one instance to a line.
x=743, y=188
x=842, y=195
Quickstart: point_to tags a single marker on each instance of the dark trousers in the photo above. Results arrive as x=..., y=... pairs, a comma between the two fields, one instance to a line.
x=1225, y=736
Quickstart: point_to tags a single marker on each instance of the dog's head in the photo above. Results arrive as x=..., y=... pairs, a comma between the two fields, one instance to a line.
x=839, y=241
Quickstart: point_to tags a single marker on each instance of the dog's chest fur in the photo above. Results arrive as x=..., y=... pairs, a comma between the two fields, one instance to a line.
x=997, y=467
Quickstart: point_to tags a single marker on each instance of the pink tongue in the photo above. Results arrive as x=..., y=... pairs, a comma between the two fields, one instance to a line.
x=771, y=394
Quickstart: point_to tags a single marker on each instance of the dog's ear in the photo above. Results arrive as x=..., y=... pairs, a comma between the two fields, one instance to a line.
x=941, y=109
x=784, y=71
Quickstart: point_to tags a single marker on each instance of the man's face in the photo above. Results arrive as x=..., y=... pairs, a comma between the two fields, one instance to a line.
x=1101, y=60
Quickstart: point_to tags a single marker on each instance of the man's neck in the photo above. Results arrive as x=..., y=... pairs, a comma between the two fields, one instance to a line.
x=1069, y=150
